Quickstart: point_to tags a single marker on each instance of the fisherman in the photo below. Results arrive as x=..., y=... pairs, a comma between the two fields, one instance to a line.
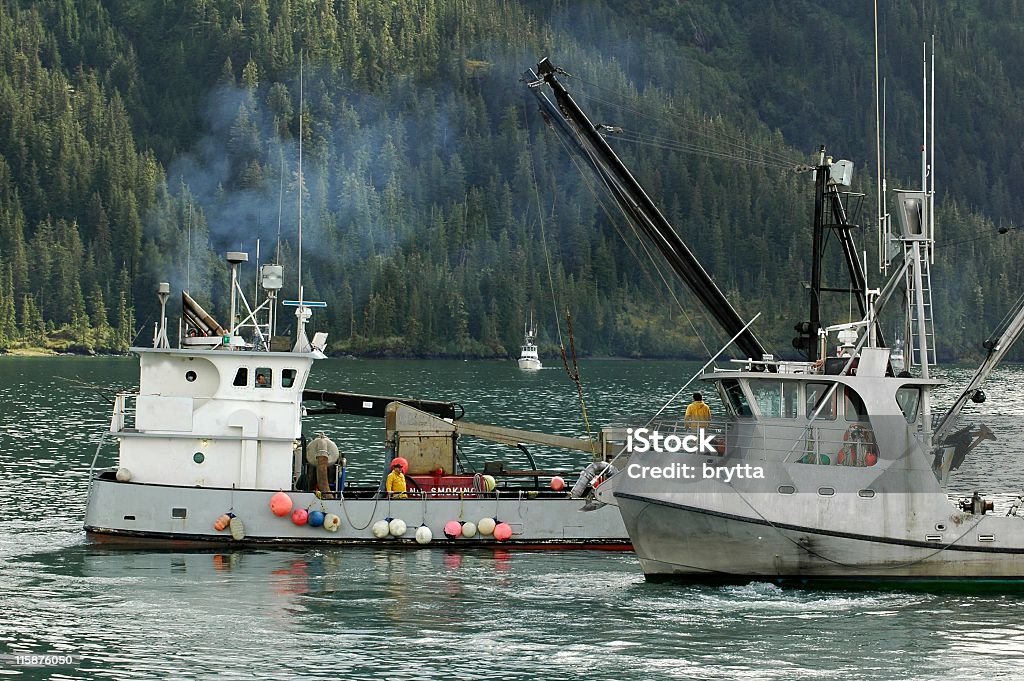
x=395, y=484
x=698, y=414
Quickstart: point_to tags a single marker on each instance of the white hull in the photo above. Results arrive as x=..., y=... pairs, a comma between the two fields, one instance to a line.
x=145, y=511
x=530, y=363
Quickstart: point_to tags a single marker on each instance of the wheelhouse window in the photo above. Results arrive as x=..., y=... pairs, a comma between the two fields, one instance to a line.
x=909, y=400
x=287, y=378
x=775, y=399
x=853, y=406
x=815, y=397
x=264, y=377
x=241, y=377
x=732, y=395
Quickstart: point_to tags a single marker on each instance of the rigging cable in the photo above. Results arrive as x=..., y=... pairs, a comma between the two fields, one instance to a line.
x=651, y=261
x=554, y=303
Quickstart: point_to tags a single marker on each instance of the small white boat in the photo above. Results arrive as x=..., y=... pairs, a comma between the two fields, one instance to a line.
x=528, y=357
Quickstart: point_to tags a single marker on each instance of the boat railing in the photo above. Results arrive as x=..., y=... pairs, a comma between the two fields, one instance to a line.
x=123, y=417
x=794, y=440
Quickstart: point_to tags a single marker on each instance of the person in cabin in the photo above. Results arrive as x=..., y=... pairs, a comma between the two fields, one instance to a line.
x=262, y=381
x=395, y=484
x=698, y=414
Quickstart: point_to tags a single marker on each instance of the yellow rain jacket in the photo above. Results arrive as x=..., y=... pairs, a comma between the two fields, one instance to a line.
x=395, y=484
x=698, y=415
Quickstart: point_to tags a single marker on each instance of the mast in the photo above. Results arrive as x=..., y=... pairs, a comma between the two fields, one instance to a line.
x=829, y=177
x=635, y=203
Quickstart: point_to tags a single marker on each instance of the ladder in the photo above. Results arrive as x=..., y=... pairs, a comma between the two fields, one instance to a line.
x=920, y=320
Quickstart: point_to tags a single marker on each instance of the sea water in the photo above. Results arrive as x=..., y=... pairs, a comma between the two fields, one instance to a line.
x=364, y=613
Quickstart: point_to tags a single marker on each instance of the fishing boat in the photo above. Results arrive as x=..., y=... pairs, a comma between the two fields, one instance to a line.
x=832, y=466
x=528, y=357
x=225, y=442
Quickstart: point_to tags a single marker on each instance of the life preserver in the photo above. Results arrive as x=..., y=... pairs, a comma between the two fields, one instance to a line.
x=859, y=447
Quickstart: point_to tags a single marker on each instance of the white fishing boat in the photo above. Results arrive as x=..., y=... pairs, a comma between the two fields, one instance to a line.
x=219, y=444
x=831, y=467
x=528, y=357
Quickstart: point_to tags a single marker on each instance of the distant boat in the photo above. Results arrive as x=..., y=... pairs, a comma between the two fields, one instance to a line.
x=528, y=358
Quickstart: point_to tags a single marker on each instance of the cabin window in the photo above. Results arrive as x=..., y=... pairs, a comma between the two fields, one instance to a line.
x=826, y=491
x=775, y=399
x=241, y=377
x=190, y=376
x=786, y=489
x=733, y=396
x=263, y=378
x=816, y=393
x=288, y=378
x=853, y=405
x=909, y=399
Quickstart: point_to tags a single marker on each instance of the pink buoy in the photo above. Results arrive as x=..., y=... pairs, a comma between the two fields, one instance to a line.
x=300, y=516
x=280, y=504
x=453, y=529
x=502, y=531
x=557, y=483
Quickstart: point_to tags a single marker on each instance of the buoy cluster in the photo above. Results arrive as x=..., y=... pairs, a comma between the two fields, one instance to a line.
x=229, y=521
x=281, y=505
x=453, y=529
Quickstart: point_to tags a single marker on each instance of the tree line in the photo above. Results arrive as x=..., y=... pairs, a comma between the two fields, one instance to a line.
x=139, y=141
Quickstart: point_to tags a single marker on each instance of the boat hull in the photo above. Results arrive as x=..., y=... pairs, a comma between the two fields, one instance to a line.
x=530, y=363
x=675, y=539
x=132, y=512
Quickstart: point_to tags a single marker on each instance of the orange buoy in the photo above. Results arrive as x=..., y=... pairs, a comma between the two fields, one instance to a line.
x=453, y=529
x=222, y=522
x=557, y=483
x=280, y=504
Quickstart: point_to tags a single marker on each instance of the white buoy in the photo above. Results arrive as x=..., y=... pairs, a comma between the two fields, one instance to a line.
x=237, y=529
x=486, y=526
x=332, y=522
x=397, y=527
x=468, y=529
x=423, y=534
x=489, y=483
x=123, y=475
x=380, y=529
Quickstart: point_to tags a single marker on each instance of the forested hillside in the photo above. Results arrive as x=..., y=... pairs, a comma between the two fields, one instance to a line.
x=139, y=141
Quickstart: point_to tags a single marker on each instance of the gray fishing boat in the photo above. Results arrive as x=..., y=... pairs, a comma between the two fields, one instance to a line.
x=832, y=466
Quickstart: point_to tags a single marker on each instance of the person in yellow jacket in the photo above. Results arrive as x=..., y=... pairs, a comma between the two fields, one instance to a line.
x=698, y=414
x=395, y=484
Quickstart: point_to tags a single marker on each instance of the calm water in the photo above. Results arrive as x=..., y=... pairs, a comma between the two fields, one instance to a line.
x=364, y=613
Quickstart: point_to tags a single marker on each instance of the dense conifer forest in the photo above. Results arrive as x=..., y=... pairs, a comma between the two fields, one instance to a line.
x=139, y=141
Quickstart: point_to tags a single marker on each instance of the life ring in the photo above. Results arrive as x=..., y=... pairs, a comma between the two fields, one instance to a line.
x=859, y=447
